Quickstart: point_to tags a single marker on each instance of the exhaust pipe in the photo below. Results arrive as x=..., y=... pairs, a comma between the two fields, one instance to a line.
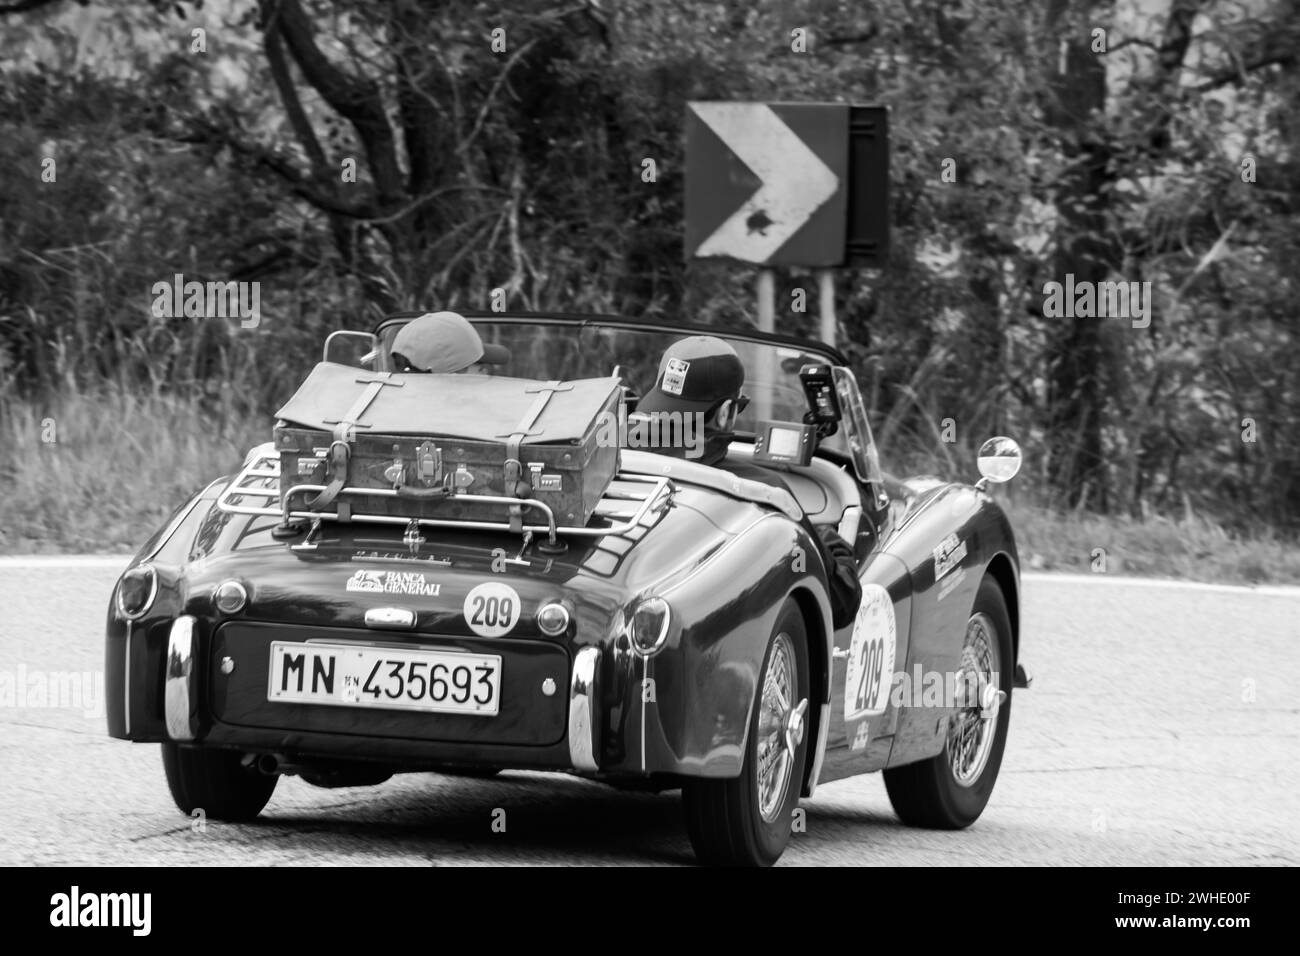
x=273, y=765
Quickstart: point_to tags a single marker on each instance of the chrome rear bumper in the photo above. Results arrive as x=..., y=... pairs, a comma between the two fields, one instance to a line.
x=582, y=710
x=180, y=686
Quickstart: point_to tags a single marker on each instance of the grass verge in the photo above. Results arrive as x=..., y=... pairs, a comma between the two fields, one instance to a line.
x=99, y=472
x=1192, y=549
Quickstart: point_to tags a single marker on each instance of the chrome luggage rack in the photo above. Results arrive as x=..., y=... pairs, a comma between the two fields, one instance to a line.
x=259, y=479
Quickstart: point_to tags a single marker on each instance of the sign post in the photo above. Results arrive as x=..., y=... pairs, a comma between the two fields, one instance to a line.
x=826, y=304
x=766, y=323
x=766, y=300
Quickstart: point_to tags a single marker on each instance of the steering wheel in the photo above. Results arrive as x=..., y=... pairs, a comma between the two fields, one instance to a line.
x=631, y=392
x=781, y=394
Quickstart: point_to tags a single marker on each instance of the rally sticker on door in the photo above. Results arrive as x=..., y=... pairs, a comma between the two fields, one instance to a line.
x=491, y=609
x=871, y=655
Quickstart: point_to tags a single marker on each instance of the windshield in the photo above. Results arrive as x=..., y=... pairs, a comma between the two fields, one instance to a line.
x=543, y=349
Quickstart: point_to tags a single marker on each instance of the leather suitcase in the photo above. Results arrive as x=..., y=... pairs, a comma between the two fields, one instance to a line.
x=435, y=438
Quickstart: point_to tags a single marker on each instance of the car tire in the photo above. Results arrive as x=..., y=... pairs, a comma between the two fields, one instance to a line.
x=950, y=790
x=216, y=782
x=726, y=819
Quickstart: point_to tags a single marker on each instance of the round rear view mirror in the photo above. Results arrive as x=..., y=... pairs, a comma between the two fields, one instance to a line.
x=998, y=460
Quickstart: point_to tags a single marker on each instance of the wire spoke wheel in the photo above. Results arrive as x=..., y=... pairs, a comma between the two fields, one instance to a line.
x=973, y=728
x=951, y=789
x=746, y=819
x=774, y=754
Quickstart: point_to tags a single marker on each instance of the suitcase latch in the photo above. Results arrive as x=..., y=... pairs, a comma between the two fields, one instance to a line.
x=543, y=482
x=463, y=477
x=428, y=463
x=395, y=473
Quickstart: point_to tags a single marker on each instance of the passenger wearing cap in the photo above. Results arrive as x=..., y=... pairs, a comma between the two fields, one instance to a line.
x=700, y=375
x=703, y=374
x=442, y=342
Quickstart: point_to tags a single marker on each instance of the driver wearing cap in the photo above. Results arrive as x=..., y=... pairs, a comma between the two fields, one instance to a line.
x=703, y=375
x=442, y=342
x=700, y=375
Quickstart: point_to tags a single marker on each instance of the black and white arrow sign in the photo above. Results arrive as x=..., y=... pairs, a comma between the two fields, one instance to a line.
x=766, y=183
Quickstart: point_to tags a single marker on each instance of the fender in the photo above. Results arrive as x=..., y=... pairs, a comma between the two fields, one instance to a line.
x=687, y=710
x=944, y=595
x=134, y=650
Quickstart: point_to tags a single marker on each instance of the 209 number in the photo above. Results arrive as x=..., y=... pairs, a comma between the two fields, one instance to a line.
x=873, y=665
x=492, y=611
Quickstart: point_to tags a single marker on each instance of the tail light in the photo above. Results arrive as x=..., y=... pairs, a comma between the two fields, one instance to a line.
x=136, y=590
x=648, y=628
x=553, y=619
x=230, y=597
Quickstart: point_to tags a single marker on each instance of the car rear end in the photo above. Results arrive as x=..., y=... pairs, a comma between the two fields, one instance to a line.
x=347, y=654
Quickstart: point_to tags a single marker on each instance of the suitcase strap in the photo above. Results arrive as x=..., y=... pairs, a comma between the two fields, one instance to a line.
x=339, y=456
x=345, y=426
x=516, y=485
x=344, y=430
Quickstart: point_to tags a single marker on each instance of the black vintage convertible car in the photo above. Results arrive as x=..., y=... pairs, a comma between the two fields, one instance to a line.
x=679, y=637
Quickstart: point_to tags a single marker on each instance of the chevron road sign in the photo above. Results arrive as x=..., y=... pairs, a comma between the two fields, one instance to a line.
x=793, y=184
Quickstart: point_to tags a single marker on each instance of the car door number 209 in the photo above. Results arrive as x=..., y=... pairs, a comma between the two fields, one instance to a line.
x=872, y=672
x=871, y=655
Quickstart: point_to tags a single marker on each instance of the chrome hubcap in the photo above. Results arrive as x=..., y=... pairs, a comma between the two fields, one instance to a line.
x=781, y=726
x=973, y=727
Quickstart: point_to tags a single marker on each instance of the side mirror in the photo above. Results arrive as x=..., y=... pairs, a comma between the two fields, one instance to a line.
x=998, y=460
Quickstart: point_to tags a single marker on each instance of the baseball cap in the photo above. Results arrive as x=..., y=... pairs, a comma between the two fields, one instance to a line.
x=444, y=342
x=695, y=374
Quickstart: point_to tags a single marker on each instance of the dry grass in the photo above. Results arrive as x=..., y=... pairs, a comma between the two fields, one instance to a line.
x=1193, y=548
x=119, y=465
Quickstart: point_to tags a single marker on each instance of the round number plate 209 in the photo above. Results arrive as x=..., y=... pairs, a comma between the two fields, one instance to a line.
x=492, y=609
x=871, y=655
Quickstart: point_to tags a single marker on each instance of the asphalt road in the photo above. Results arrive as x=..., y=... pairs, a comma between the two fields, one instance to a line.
x=1162, y=729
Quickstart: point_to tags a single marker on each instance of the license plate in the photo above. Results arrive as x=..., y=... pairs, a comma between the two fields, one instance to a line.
x=385, y=678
